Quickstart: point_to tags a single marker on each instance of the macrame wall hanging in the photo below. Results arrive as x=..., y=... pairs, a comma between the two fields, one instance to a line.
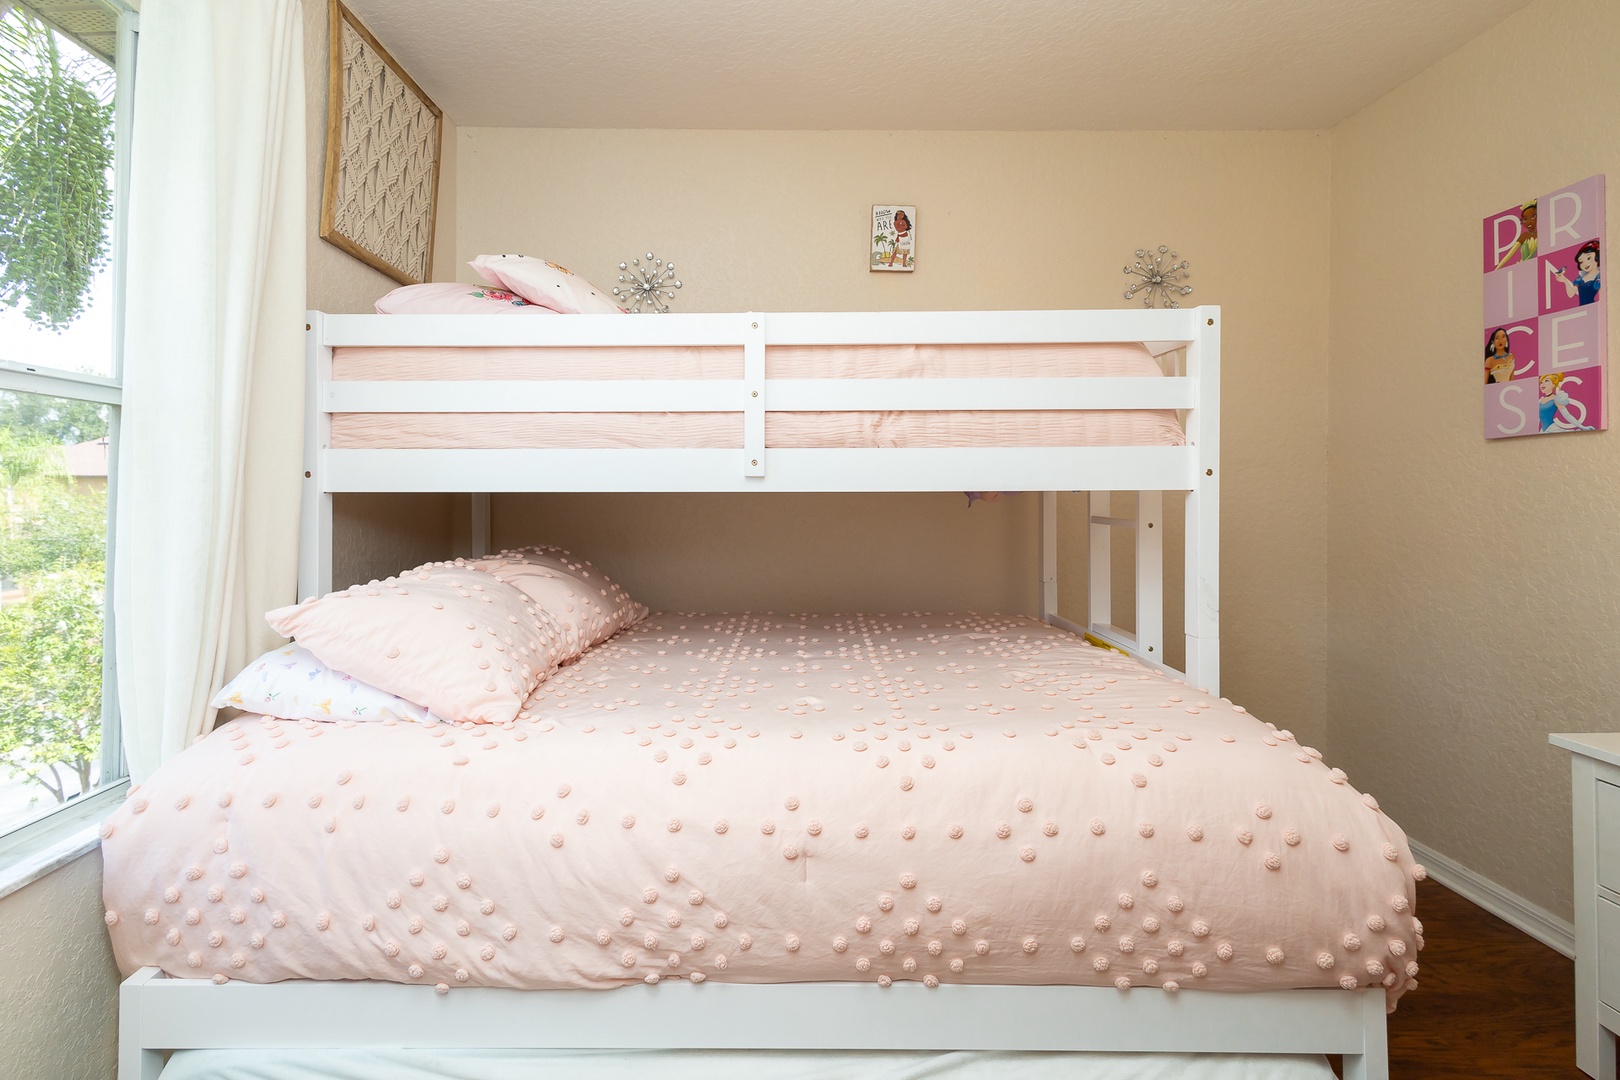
x=382, y=156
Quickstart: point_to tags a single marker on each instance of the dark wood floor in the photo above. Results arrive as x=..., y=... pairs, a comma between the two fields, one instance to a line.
x=1491, y=1001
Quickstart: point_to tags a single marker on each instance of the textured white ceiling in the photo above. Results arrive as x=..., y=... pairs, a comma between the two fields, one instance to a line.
x=918, y=64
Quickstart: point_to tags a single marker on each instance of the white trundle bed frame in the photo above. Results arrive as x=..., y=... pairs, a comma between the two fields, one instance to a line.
x=158, y=1014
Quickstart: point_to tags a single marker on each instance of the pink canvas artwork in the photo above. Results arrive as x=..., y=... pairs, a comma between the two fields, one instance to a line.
x=1544, y=333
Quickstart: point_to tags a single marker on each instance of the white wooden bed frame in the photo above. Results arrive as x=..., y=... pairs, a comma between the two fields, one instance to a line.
x=158, y=1014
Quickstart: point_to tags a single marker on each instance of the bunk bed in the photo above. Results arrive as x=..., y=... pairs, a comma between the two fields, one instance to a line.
x=160, y=1012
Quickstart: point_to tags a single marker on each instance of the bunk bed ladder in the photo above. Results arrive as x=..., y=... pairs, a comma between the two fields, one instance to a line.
x=1202, y=547
x=1147, y=640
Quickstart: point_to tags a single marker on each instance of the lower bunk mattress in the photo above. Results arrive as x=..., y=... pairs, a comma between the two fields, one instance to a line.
x=764, y=798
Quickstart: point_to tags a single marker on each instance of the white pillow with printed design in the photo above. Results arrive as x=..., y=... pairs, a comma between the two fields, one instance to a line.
x=290, y=683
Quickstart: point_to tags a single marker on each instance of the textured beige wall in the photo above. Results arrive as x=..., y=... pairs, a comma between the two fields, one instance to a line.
x=878, y=552
x=376, y=534
x=58, y=982
x=1473, y=584
x=778, y=221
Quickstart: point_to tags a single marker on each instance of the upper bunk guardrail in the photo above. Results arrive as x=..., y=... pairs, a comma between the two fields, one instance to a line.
x=1160, y=330
x=1195, y=394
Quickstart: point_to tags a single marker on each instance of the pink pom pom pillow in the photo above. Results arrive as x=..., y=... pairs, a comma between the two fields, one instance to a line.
x=544, y=283
x=453, y=298
x=464, y=644
x=586, y=605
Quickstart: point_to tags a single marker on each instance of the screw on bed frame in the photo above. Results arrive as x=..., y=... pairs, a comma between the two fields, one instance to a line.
x=1209, y=322
x=1209, y=472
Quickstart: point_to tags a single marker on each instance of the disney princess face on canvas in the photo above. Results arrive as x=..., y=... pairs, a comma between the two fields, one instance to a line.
x=1523, y=248
x=1588, y=280
x=1558, y=410
x=1587, y=260
x=902, y=224
x=1548, y=385
x=1498, y=357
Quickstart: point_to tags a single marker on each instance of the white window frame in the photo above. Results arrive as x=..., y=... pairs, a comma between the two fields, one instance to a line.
x=41, y=844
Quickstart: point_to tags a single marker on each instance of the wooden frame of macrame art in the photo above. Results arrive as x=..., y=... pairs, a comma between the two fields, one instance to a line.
x=382, y=156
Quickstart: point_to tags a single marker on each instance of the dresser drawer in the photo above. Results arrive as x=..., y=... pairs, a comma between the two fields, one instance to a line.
x=1608, y=836
x=1608, y=963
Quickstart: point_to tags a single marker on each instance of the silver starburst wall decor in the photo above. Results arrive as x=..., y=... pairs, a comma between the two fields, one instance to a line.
x=647, y=286
x=1162, y=277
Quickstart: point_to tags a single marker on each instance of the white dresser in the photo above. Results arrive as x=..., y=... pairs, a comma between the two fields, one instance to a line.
x=1595, y=773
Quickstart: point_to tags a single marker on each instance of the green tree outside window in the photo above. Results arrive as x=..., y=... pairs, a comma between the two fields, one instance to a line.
x=56, y=152
x=56, y=157
x=53, y=543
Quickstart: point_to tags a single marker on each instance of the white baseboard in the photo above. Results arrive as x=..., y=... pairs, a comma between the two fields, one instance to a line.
x=1510, y=907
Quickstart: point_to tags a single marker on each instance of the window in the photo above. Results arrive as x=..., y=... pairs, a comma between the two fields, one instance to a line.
x=62, y=154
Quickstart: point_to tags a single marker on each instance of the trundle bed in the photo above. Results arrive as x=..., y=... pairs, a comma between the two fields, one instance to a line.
x=767, y=832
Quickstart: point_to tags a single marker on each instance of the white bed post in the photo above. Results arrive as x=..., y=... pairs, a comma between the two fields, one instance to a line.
x=1150, y=575
x=1203, y=550
x=478, y=530
x=1373, y=1061
x=1100, y=615
x=135, y=1060
x=1049, y=555
x=315, y=519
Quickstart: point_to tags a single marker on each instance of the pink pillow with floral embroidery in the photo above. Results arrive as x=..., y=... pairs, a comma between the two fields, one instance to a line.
x=464, y=644
x=586, y=605
x=544, y=283
x=453, y=298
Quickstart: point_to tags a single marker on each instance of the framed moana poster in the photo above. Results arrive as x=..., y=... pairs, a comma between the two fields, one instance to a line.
x=894, y=237
x=1545, y=333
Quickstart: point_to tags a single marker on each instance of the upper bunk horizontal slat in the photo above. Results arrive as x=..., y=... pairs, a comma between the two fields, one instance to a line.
x=1160, y=330
x=779, y=395
x=979, y=327
x=1137, y=468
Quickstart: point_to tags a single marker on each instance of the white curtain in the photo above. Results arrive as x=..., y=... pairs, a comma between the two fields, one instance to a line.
x=213, y=359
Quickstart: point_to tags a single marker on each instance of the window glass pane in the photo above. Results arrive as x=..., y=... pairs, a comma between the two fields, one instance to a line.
x=56, y=189
x=53, y=554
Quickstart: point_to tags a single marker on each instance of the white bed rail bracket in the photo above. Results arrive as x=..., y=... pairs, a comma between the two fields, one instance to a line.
x=754, y=395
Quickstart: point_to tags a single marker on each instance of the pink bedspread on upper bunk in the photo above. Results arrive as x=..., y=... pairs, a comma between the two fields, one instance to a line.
x=1138, y=427
x=758, y=798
